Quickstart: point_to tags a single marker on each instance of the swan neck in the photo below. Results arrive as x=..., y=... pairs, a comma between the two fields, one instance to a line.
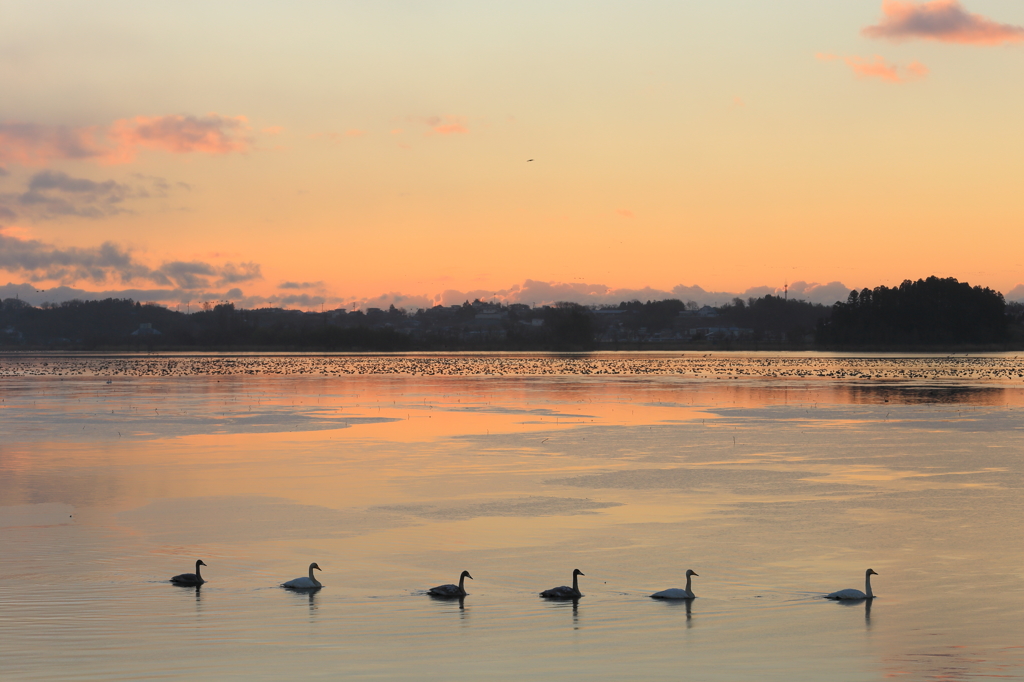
x=198, y=574
x=311, y=574
x=867, y=586
x=688, y=578
x=462, y=582
x=575, y=583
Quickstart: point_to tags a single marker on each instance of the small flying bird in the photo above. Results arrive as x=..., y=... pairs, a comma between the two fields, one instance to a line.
x=529, y=160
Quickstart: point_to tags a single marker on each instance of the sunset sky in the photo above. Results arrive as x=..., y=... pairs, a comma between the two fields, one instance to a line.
x=367, y=153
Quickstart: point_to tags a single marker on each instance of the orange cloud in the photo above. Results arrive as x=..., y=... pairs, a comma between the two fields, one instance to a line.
x=32, y=144
x=879, y=68
x=941, y=20
x=211, y=134
x=447, y=125
x=624, y=212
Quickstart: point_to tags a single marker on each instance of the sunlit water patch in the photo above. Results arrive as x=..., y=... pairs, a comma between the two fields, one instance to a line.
x=775, y=487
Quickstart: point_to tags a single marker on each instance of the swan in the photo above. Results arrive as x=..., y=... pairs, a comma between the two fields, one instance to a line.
x=304, y=583
x=565, y=592
x=675, y=592
x=451, y=590
x=190, y=578
x=856, y=594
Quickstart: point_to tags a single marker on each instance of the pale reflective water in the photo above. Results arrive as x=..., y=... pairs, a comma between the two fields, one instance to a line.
x=780, y=483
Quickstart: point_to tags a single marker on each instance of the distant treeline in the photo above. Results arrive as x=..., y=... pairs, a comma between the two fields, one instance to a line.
x=927, y=312
x=932, y=312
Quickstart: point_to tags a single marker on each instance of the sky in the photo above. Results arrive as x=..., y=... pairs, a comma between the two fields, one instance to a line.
x=353, y=154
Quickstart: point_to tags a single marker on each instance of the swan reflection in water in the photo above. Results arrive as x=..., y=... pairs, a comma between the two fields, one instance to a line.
x=857, y=602
x=681, y=604
x=449, y=599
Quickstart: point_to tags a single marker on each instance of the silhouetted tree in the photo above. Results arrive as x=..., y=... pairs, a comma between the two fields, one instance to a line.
x=570, y=326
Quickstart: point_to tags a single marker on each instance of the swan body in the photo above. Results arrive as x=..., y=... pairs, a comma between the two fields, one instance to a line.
x=675, y=592
x=565, y=592
x=851, y=593
x=305, y=583
x=451, y=590
x=190, y=578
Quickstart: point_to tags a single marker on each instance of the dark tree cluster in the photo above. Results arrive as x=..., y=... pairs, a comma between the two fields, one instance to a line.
x=927, y=312
x=774, y=317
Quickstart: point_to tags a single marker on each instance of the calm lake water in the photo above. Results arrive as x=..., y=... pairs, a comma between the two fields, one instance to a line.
x=777, y=478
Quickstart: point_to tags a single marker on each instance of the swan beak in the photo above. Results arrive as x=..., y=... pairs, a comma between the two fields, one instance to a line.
x=318, y=568
x=469, y=576
x=697, y=574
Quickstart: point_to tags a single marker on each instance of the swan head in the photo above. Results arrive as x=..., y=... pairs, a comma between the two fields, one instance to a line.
x=690, y=572
x=576, y=572
x=465, y=574
x=200, y=562
x=317, y=567
x=870, y=571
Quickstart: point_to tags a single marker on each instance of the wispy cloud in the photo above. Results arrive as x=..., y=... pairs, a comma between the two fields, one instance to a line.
x=301, y=285
x=446, y=125
x=879, y=68
x=38, y=261
x=337, y=138
x=33, y=144
x=534, y=292
x=210, y=134
x=54, y=194
x=529, y=292
x=941, y=20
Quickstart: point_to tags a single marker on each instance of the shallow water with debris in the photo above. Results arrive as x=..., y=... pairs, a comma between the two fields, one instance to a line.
x=777, y=478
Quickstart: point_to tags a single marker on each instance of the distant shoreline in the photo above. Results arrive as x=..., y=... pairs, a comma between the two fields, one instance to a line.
x=733, y=347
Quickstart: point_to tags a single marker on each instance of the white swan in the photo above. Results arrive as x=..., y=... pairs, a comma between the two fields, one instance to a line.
x=451, y=590
x=675, y=592
x=565, y=592
x=856, y=594
x=190, y=578
x=304, y=583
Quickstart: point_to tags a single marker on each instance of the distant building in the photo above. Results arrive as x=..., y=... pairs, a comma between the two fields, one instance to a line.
x=491, y=315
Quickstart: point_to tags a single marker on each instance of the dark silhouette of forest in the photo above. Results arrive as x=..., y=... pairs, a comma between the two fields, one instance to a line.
x=926, y=313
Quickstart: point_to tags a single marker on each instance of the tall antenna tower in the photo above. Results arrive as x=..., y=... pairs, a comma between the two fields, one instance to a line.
x=785, y=290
